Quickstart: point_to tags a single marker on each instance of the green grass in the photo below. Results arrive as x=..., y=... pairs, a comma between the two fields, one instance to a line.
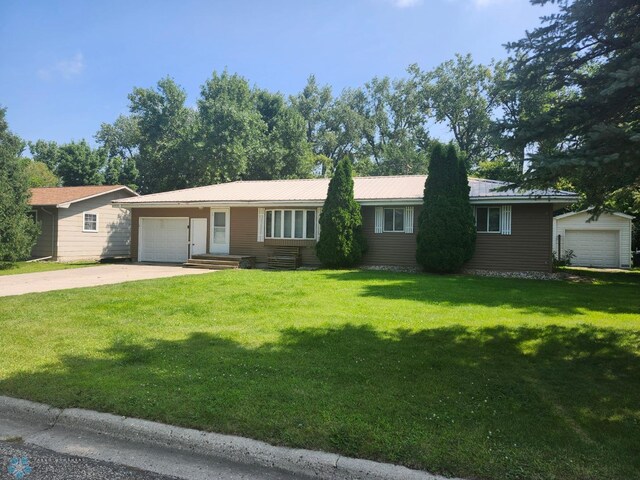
x=35, y=267
x=476, y=377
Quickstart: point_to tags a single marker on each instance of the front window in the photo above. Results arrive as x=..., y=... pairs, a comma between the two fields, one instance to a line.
x=90, y=222
x=300, y=224
x=394, y=219
x=488, y=219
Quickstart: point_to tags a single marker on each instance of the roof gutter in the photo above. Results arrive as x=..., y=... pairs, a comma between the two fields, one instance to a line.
x=319, y=203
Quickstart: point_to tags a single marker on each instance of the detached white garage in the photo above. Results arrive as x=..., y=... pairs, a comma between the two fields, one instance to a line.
x=163, y=239
x=605, y=242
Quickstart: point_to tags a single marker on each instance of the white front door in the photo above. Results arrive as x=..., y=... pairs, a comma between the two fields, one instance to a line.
x=198, y=236
x=220, y=231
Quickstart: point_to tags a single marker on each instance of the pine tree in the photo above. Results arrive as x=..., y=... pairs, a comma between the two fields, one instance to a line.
x=17, y=230
x=466, y=218
x=585, y=61
x=341, y=242
x=446, y=232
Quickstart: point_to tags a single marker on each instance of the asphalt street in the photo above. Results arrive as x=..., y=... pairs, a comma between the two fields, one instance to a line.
x=45, y=464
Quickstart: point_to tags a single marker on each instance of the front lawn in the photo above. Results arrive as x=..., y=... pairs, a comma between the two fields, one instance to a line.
x=475, y=377
x=35, y=267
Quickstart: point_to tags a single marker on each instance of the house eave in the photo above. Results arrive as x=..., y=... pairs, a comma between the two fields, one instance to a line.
x=319, y=203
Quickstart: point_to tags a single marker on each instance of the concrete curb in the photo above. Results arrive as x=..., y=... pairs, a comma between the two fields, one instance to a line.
x=35, y=412
x=226, y=447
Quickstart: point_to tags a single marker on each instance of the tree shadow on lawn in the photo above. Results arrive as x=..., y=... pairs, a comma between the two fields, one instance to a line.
x=530, y=296
x=547, y=402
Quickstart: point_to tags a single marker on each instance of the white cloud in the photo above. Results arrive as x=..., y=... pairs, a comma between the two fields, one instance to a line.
x=405, y=3
x=66, y=69
x=487, y=3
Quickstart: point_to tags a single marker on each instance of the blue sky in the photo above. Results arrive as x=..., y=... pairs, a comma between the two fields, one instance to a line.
x=67, y=66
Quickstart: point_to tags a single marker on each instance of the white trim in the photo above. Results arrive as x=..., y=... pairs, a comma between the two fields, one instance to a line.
x=408, y=219
x=379, y=220
x=523, y=199
x=505, y=220
x=617, y=214
x=84, y=221
x=562, y=199
x=227, y=226
x=261, y=224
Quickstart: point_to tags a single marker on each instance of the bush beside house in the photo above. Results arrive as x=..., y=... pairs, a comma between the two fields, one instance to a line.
x=18, y=231
x=446, y=227
x=341, y=242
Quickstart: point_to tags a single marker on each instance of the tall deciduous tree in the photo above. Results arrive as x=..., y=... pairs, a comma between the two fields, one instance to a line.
x=284, y=150
x=588, y=55
x=167, y=141
x=79, y=164
x=74, y=163
x=39, y=175
x=341, y=242
x=231, y=127
x=334, y=128
x=120, y=141
x=394, y=133
x=18, y=231
x=460, y=94
x=446, y=231
x=45, y=152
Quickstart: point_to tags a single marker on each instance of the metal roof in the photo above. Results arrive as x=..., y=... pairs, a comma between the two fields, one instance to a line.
x=366, y=190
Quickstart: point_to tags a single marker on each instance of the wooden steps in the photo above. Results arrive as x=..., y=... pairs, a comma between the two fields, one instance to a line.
x=220, y=262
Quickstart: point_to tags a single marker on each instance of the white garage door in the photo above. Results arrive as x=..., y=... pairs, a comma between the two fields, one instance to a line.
x=164, y=240
x=593, y=248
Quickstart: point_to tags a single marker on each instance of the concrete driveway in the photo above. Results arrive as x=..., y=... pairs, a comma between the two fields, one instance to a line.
x=89, y=277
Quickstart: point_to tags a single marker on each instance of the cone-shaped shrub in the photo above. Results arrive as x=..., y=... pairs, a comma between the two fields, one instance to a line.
x=446, y=229
x=341, y=242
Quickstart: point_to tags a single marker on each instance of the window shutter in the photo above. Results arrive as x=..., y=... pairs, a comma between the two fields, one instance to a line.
x=505, y=211
x=261, y=225
x=318, y=213
x=379, y=220
x=408, y=219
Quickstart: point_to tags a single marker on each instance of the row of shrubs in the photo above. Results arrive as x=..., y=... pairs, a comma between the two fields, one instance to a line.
x=446, y=231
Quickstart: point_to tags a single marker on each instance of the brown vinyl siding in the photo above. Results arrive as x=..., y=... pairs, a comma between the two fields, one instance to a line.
x=136, y=213
x=244, y=238
x=389, y=248
x=527, y=248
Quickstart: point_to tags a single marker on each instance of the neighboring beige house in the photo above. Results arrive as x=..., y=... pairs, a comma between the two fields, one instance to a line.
x=80, y=223
x=605, y=242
